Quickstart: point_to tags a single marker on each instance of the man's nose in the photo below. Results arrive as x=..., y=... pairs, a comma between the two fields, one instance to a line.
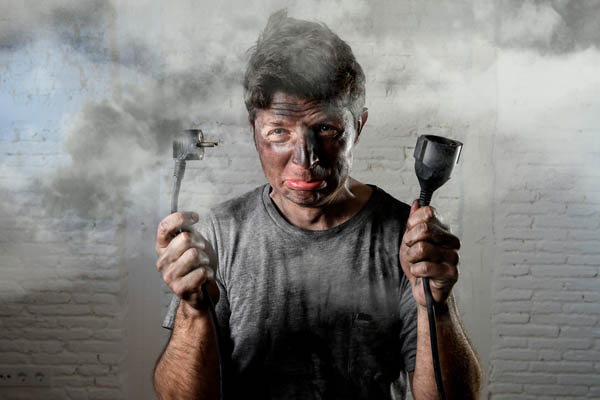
x=305, y=151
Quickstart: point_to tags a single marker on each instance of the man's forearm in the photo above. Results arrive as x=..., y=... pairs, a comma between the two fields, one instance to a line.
x=461, y=369
x=189, y=366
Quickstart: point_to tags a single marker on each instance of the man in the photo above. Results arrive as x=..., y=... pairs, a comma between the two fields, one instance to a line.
x=316, y=274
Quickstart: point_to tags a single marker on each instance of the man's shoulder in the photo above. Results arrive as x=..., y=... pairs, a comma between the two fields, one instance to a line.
x=239, y=207
x=388, y=203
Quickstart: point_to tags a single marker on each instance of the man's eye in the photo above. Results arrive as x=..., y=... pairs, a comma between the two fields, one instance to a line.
x=326, y=130
x=278, y=131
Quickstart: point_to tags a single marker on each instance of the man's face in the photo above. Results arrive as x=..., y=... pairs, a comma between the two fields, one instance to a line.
x=305, y=148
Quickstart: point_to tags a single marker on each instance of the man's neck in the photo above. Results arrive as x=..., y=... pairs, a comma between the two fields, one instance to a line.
x=345, y=204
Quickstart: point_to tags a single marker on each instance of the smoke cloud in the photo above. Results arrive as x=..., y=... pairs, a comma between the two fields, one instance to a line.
x=181, y=71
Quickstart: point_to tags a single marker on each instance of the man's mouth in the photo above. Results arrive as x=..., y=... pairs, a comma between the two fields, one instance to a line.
x=297, y=184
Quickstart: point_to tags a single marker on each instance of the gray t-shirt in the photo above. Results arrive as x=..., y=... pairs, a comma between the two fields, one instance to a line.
x=312, y=314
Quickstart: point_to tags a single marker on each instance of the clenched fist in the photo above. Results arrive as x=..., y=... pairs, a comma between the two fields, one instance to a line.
x=186, y=260
x=428, y=249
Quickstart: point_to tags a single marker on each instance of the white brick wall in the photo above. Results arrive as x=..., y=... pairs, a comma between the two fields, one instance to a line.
x=546, y=318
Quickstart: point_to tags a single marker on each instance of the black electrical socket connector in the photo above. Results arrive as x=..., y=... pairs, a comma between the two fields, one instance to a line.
x=435, y=157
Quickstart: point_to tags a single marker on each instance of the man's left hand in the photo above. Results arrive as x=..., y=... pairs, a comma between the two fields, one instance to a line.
x=428, y=249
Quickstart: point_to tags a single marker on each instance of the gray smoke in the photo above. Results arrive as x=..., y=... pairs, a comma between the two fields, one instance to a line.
x=549, y=27
x=186, y=69
x=113, y=143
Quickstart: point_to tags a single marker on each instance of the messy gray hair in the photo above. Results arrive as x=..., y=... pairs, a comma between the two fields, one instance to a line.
x=303, y=59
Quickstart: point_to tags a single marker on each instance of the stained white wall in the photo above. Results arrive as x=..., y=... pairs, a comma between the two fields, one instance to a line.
x=91, y=92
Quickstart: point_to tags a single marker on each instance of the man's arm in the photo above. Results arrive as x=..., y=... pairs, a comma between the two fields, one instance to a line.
x=428, y=249
x=189, y=365
x=461, y=370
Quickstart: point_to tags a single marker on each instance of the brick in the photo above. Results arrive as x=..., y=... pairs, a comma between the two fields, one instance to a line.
x=534, y=258
x=579, y=308
x=504, y=341
x=527, y=330
x=578, y=379
x=525, y=377
x=28, y=346
x=581, y=285
x=73, y=381
x=63, y=358
x=513, y=294
x=561, y=366
x=589, y=259
x=564, y=271
x=562, y=319
x=59, y=334
x=96, y=298
x=594, y=391
x=502, y=366
x=512, y=306
x=104, y=394
x=516, y=354
x=94, y=346
x=76, y=393
x=554, y=390
x=85, y=321
x=93, y=370
x=546, y=308
x=550, y=355
x=514, y=318
x=583, y=234
x=518, y=221
x=110, y=381
x=46, y=298
x=110, y=334
x=514, y=270
x=581, y=355
x=563, y=222
x=533, y=234
x=505, y=388
x=560, y=343
x=59, y=309
x=580, y=332
x=14, y=357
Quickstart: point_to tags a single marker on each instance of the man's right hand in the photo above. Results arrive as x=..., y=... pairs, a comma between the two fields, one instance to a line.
x=186, y=260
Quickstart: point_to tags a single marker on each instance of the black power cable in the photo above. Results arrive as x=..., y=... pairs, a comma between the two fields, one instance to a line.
x=435, y=355
x=435, y=157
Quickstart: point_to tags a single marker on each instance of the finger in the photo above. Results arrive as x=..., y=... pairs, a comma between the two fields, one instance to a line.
x=425, y=251
x=172, y=223
x=432, y=233
x=191, y=283
x=439, y=274
x=414, y=206
x=422, y=214
x=179, y=245
x=191, y=259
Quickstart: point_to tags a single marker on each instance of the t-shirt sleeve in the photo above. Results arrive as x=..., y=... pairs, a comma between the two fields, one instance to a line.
x=408, y=329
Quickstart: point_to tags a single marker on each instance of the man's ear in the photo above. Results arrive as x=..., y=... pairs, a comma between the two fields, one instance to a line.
x=361, y=123
x=251, y=121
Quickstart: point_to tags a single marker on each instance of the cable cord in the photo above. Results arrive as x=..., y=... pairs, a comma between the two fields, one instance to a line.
x=424, y=201
x=178, y=173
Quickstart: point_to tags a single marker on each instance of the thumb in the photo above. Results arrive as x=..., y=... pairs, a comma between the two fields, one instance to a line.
x=414, y=207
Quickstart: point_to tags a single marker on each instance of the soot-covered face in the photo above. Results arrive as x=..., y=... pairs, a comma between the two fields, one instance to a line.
x=305, y=148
